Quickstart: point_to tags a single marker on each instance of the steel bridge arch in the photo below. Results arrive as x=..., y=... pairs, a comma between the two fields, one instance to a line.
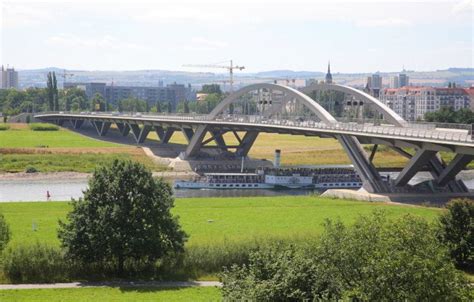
x=320, y=112
x=390, y=115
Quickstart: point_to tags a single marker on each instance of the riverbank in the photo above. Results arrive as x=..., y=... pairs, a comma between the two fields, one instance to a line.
x=20, y=176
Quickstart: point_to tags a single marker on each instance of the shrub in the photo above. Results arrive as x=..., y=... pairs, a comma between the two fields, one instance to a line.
x=376, y=259
x=31, y=170
x=4, y=233
x=43, y=127
x=124, y=217
x=457, y=231
x=35, y=263
x=4, y=127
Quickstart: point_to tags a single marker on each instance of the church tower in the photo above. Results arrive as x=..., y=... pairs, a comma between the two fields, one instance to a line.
x=328, y=75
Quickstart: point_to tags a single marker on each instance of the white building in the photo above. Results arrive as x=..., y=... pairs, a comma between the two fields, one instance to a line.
x=8, y=78
x=413, y=102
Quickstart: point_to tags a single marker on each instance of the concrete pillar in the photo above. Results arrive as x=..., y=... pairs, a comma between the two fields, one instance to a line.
x=188, y=133
x=219, y=139
x=196, y=142
x=123, y=128
x=101, y=127
x=459, y=162
x=372, y=182
x=76, y=124
x=420, y=159
x=247, y=143
x=140, y=134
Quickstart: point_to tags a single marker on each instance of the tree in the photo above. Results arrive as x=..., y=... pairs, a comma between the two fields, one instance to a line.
x=4, y=233
x=124, y=216
x=50, y=91
x=457, y=231
x=170, y=107
x=375, y=259
x=211, y=88
x=158, y=106
x=55, y=92
x=132, y=105
x=98, y=102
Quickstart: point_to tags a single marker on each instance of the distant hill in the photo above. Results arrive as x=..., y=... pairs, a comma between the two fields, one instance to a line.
x=37, y=77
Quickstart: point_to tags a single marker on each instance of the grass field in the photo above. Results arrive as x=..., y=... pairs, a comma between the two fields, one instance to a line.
x=207, y=294
x=211, y=221
x=62, y=150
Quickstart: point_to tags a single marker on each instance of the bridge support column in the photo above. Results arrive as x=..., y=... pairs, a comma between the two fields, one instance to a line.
x=101, y=127
x=76, y=124
x=123, y=128
x=196, y=141
x=246, y=143
x=459, y=162
x=59, y=122
x=164, y=134
x=372, y=182
x=140, y=134
x=421, y=158
x=188, y=133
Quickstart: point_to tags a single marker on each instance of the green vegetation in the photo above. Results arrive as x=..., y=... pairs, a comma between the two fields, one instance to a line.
x=449, y=115
x=22, y=137
x=219, y=220
x=376, y=259
x=4, y=127
x=457, y=231
x=43, y=127
x=4, y=233
x=124, y=217
x=113, y=294
x=54, y=162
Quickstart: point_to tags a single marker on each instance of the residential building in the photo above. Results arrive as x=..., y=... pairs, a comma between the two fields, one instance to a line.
x=374, y=84
x=173, y=93
x=8, y=78
x=413, y=102
x=394, y=82
x=403, y=80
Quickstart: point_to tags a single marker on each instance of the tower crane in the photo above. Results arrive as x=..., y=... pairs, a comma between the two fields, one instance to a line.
x=229, y=67
x=65, y=75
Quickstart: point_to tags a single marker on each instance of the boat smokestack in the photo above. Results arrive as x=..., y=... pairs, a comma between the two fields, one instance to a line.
x=276, y=163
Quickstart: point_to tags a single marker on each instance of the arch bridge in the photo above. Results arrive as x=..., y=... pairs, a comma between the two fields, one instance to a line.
x=275, y=108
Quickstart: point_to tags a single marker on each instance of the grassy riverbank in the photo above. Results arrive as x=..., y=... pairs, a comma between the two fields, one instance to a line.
x=211, y=221
x=61, y=150
x=115, y=294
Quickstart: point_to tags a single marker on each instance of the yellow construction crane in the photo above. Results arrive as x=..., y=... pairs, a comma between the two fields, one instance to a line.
x=230, y=67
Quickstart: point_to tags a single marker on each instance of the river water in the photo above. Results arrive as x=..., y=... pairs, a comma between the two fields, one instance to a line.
x=65, y=189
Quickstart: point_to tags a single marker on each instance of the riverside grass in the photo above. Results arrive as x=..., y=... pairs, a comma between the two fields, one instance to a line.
x=211, y=221
x=115, y=294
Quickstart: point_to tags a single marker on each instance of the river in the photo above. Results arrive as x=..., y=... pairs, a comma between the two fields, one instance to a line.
x=65, y=189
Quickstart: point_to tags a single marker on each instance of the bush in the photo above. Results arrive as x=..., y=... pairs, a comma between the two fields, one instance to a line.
x=457, y=231
x=4, y=233
x=31, y=170
x=4, y=127
x=374, y=260
x=124, y=217
x=43, y=127
x=35, y=263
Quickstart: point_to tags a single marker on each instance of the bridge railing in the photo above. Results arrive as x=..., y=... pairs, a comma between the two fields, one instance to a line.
x=433, y=131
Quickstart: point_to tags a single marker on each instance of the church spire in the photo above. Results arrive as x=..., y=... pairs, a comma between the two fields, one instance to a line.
x=328, y=75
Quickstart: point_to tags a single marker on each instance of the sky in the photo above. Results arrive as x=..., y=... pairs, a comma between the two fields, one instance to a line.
x=356, y=36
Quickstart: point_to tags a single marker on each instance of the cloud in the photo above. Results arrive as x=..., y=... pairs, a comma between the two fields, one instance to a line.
x=387, y=22
x=203, y=42
x=15, y=15
x=105, y=42
x=464, y=6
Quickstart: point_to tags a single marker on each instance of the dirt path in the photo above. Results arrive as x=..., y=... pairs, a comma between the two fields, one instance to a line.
x=146, y=284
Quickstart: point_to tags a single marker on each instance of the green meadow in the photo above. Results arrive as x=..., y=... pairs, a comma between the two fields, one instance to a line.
x=113, y=294
x=213, y=221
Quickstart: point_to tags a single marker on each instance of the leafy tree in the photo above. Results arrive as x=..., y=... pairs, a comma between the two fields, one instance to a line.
x=376, y=259
x=98, y=102
x=124, y=216
x=132, y=105
x=211, y=88
x=457, y=231
x=55, y=92
x=4, y=233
